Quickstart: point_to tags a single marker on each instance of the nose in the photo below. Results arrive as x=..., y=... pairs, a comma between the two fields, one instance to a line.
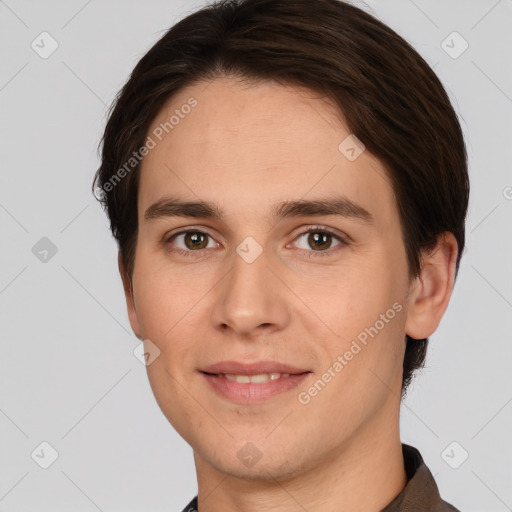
x=251, y=298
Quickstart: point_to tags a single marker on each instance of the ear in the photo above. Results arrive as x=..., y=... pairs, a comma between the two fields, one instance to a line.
x=128, y=293
x=430, y=292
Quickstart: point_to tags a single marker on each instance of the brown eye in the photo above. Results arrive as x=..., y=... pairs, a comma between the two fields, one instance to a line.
x=319, y=240
x=195, y=240
x=186, y=242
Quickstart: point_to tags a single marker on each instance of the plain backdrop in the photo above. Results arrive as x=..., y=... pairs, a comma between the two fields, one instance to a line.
x=68, y=375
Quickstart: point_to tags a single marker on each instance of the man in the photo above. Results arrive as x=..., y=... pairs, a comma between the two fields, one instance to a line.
x=287, y=182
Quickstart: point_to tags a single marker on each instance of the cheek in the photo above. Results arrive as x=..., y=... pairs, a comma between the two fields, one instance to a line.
x=164, y=304
x=366, y=313
x=172, y=312
x=176, y=402
x=357, y=299
x=161, y=296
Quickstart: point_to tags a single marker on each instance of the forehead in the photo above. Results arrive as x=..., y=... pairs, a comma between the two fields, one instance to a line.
x=245, y=145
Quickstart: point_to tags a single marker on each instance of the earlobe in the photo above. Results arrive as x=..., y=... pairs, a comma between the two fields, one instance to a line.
x=430, y=292
x=128, y=293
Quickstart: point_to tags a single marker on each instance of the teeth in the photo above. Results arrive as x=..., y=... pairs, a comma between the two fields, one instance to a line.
x=257, y=379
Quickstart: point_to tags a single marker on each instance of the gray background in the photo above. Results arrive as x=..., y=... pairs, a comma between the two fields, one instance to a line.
x=68, y=375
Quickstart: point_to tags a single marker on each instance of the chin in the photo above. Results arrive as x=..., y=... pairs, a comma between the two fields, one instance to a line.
x=248, y=463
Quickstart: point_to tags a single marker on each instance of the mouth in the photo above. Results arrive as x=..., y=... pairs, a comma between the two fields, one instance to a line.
x=258, y=368
x=254, y=388
x=259, y=378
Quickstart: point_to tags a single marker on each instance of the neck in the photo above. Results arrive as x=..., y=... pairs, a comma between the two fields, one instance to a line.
x=364, y=475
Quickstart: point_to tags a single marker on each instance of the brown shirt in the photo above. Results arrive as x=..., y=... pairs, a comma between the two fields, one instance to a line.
x=419, y=495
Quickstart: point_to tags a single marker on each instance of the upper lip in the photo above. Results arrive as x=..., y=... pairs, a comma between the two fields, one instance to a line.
x=239, y=368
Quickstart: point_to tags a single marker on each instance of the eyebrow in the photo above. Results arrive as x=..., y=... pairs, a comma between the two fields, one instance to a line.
x=339, y=206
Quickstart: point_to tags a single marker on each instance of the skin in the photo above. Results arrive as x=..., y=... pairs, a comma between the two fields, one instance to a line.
x=246, y=147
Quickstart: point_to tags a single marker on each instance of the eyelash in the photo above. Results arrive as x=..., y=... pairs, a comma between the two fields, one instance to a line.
x=308, y=254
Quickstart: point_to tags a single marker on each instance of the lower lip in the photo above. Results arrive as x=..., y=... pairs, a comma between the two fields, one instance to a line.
x=245, y=393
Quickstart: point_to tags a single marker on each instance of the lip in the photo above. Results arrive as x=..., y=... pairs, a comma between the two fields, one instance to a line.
x=239, y=368
x=252, y=393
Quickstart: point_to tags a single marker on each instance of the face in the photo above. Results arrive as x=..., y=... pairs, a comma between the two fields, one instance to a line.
x=263, y=282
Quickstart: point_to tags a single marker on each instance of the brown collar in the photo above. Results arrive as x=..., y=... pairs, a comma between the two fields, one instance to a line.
x=420, y=493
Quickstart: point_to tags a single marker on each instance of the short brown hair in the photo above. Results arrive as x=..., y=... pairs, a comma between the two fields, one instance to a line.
x=389, y=96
